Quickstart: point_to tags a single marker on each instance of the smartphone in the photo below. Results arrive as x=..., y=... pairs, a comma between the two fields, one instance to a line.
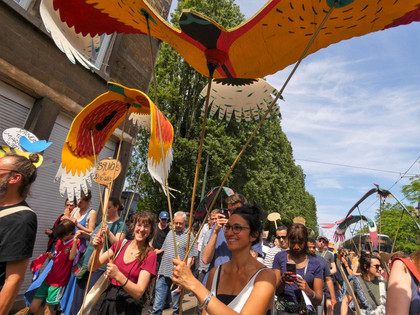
x=225, y=212
x=291, y=267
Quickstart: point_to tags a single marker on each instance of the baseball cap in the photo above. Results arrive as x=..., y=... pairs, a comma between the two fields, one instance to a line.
x=164, y=215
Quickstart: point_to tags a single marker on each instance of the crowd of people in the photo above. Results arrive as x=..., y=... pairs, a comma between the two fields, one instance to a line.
x=230, y=269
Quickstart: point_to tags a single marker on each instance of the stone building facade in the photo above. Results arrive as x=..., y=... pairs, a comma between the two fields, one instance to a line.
x=42, y=91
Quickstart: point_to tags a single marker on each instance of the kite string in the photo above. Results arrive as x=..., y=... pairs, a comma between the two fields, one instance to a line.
x=160, y=137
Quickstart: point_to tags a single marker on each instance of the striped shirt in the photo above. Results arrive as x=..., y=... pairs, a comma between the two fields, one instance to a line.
x=269, y=257
x=166, y=264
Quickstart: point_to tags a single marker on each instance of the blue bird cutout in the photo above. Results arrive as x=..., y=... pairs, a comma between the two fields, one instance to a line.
x=32, y=147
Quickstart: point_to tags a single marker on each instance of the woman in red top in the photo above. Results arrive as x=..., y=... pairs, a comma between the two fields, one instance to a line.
x=131, y=270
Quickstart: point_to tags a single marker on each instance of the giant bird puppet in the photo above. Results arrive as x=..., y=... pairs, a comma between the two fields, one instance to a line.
x=272, y=39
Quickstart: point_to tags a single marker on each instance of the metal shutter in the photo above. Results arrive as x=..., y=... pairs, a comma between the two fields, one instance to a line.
x=45, y=198
x=14, y=110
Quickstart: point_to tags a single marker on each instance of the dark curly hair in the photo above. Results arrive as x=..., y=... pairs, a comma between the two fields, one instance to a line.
x=365, y=261
x=253, y=216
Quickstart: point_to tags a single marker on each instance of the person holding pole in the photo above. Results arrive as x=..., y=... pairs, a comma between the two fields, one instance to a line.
x=130, y=272
x=115, y=230
x=242, y=285
x=369, y=288
x=164, y=282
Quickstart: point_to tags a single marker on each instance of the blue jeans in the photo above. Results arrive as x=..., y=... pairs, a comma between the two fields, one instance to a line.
x=163, y=285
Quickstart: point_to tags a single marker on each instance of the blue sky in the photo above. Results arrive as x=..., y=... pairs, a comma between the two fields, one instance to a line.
x=354, y=103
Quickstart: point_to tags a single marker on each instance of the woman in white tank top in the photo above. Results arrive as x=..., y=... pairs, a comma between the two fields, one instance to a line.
x=242, y=285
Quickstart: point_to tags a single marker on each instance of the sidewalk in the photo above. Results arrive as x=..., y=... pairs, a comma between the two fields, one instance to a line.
x=189, y=307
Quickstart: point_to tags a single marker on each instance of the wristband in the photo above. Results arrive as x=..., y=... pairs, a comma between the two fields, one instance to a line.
x=203, y=305
x=124, y=283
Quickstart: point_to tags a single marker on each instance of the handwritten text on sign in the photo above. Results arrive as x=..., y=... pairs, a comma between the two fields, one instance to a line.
x=106, y=171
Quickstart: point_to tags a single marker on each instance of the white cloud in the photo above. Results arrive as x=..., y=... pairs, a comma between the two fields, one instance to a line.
x=337, y=111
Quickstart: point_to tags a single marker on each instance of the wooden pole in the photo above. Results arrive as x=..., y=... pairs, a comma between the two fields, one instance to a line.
x=168, y=197
x=349, y=288
x=380, y=222
x=268, y=111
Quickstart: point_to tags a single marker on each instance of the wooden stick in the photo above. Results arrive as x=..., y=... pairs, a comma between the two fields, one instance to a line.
x=349, y=288
x=104, y=203
x=160, y=138
x=380, y=221
x=266, y=114
x=398, y=229
x=197, y=166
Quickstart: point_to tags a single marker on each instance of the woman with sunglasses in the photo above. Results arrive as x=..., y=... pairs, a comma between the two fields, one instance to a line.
x=241, y=286
x=299, y=288
x=369, y=288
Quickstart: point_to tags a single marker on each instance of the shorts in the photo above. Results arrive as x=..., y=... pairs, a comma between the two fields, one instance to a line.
x=52, y=295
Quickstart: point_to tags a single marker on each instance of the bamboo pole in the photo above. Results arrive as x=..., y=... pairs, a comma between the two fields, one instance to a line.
x=267, y=112
x=396, y=234
x=104, y=203
x=380, y=221
x=349, y=288
x=160, y=136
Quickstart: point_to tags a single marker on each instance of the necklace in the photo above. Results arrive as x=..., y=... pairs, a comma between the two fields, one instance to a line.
x=134, y=251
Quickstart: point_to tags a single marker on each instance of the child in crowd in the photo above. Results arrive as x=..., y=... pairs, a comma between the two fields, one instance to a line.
x=54, y=285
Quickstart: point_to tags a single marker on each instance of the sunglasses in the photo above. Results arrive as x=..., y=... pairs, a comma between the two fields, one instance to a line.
x=377, y=266
x=236, y=229
x=281, y=237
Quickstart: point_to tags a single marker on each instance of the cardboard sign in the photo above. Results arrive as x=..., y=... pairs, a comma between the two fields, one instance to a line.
x=12, y=136
x=106, y=171
x=299, y=220
x=274, y=216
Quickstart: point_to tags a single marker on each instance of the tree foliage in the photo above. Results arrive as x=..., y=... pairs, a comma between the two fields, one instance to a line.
x=393, y=217
x=266, y=173
x=412, y=190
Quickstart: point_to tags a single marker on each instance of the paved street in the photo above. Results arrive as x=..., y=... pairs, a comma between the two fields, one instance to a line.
x=189, y=306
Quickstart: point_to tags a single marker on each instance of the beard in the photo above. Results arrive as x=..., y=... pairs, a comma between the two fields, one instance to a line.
x=3, y=186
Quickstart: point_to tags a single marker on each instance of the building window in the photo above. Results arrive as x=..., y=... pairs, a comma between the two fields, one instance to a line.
x=24, y=3
x=99, y=53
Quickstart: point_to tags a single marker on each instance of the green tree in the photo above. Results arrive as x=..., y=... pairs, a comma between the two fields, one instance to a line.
x=412, y=190
x=407, y=238
x=266, y=173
